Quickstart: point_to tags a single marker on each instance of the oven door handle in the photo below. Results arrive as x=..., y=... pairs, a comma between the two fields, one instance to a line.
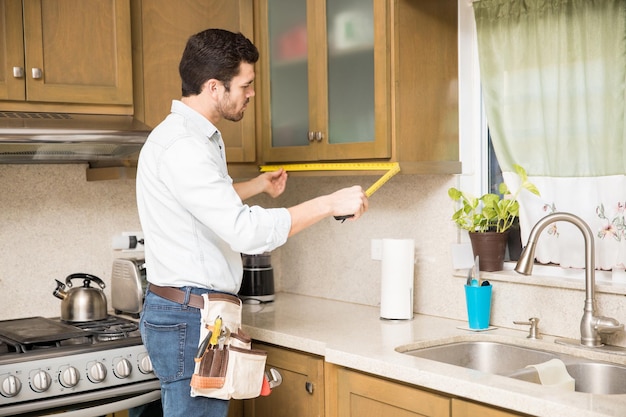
x=104, y=409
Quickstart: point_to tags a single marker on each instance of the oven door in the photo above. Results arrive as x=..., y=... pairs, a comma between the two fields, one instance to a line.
x=90, y=404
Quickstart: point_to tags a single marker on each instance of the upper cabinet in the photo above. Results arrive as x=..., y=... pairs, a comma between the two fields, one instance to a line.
x=160, y=31
x=325, y=76
x=359, y=79
x=68, y=52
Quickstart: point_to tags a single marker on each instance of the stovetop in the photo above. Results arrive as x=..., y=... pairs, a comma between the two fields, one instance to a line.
x=53, y=359
x=38, y=334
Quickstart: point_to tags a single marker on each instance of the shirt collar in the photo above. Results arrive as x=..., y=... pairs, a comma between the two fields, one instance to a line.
x=199, y=121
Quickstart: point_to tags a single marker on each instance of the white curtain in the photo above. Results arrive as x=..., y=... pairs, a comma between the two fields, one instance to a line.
x=553, y=75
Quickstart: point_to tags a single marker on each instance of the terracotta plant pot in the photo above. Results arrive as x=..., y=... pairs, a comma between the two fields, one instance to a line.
x=490, y=247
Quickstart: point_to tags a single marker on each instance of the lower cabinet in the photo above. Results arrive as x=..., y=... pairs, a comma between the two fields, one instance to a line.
x=462, y=408
x=360, y=395
x=118, y=414
x=235, y=408
x=301, y=393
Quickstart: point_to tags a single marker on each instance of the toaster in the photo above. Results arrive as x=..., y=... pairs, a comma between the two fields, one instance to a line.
x=128, y=286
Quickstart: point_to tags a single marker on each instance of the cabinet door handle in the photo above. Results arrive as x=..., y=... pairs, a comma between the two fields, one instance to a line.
x=316, y=136
x=37, y=73
x=18, y=72
x=308, y=386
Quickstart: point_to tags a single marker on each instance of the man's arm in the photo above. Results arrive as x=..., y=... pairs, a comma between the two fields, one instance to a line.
x=272, y=183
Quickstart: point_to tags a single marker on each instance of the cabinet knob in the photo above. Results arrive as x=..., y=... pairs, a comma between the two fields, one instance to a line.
x=18, y=72
x=308, y=386
x=37, y=73
x=311, y=136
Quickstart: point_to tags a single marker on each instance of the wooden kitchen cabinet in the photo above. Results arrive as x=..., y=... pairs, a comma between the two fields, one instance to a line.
x=160, y=31
x=123, y=413
x=352, y=393
x=359, y=80
x=462, y=408
x=355, y=394
x=325, y=76
x=302, y=390
x=66, y=54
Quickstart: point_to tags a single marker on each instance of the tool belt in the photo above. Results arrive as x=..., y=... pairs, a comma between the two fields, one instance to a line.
x=178, y=296
x=225, y=365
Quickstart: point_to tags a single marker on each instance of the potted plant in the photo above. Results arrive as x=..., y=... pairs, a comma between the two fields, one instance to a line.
x=488, y=219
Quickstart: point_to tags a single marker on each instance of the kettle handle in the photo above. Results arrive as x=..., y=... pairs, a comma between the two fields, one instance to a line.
x=86, y=279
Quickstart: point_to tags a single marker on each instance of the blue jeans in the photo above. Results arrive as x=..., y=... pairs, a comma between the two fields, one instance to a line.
x=170, y=333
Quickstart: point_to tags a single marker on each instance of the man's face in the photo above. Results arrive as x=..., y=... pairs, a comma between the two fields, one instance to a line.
x=234, y=102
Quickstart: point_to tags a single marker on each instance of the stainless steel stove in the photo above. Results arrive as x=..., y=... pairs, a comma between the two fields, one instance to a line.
x=83, y=369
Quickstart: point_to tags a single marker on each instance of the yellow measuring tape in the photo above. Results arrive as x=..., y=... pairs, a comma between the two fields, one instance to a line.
x=392, y=169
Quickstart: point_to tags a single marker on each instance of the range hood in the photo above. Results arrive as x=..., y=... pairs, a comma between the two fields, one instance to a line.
x=28, y=138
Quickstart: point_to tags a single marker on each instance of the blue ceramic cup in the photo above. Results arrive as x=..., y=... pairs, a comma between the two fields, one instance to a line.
x=478, y=300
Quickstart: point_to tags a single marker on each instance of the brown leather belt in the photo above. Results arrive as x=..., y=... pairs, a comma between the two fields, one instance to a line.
x=178, y=296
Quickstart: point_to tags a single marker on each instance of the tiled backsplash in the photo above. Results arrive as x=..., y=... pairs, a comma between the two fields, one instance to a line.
x=55, y=223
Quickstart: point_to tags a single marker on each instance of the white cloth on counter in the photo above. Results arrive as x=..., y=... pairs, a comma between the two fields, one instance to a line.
x=554, y=373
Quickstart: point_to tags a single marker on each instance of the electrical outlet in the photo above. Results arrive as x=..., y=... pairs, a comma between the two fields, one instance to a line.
x=377, y=249
x=128, y=242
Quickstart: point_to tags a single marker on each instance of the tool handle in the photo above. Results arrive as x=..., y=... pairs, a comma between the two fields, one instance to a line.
x=217, y=326
x=204, y=345
x=344, y=217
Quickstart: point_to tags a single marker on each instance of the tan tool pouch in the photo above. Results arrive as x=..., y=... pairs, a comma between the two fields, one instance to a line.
x=230, y=369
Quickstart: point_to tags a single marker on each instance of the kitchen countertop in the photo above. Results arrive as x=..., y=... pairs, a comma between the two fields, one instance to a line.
x=354, y=336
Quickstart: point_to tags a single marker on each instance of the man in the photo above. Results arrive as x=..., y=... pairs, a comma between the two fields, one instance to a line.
x=192, y=215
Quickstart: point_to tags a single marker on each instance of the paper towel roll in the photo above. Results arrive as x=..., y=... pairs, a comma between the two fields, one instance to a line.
x=396, y=290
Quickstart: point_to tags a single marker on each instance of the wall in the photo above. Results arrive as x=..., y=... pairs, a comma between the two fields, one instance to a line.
x=55, y=223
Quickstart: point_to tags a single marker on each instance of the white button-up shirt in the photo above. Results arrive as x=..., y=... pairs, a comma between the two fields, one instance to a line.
x=194, y=223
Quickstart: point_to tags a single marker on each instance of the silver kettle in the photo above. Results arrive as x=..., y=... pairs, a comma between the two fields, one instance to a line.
x=84, y=303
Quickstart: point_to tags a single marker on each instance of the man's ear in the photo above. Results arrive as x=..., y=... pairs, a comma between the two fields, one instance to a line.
x=212, y=86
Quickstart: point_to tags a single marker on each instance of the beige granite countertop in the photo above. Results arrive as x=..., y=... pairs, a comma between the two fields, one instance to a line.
x=354, y=336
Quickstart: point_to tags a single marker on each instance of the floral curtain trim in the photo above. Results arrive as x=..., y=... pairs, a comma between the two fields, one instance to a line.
x=600, y=201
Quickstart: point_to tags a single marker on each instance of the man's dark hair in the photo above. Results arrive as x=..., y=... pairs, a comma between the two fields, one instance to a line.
x=214, y=53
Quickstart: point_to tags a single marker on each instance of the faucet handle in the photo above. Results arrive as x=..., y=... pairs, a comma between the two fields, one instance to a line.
x=607, y=325
x=533, y=322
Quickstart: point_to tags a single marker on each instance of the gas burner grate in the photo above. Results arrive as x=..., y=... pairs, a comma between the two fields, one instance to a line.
x=111, y=328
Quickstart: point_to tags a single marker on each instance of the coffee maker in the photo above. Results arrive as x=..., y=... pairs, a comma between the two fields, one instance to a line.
x=257, y=285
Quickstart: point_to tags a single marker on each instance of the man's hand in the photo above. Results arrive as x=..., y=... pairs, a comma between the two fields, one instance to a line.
x=274, y=182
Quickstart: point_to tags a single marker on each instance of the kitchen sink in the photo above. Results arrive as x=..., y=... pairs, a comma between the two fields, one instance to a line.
x=508, y=360
x=489, y=357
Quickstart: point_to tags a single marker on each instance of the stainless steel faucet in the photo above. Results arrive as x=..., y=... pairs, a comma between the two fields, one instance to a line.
x=592, y=327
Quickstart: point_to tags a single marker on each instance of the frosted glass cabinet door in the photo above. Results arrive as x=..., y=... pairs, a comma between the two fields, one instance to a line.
x=288, y=72
x=350, y=26
x=321, y=80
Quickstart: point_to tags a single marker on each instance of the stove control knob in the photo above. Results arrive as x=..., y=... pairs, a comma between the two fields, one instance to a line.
x=69, y=377
x=145, y=365
x=97, y=372
x=40, y=381
x=122, y=368
x=10, y=386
